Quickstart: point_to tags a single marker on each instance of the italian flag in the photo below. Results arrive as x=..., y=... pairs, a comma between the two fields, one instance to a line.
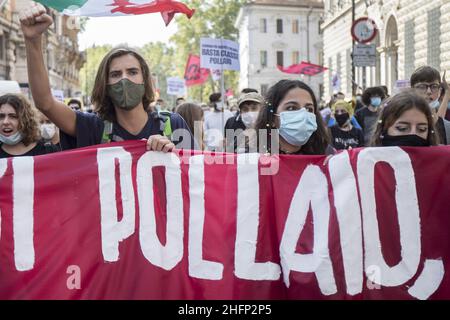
x=99, y=8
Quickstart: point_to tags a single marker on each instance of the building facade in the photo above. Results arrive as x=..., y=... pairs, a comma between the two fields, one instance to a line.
x=61, y=54
x=9, y=40
x=411, y=33
x=278, y=32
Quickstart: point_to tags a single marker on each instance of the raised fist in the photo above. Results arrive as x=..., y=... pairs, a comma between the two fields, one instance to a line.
x=35, y=21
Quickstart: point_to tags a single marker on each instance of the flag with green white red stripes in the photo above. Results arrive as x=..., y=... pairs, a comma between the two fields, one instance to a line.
x=96, y=8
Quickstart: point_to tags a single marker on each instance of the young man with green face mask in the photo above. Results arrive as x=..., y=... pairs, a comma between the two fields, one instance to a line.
x=122, y=95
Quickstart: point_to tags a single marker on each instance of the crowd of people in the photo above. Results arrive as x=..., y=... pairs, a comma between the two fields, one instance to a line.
x=288, y=120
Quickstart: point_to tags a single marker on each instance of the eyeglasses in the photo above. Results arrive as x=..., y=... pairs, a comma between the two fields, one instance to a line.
x=423, y=87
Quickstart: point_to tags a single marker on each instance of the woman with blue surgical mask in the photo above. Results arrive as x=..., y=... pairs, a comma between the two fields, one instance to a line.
x=19, y=130
x=291, y=112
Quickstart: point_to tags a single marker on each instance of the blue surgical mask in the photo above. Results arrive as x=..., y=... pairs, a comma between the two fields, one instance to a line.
x=296, y=127
x=435, y=104
x=375, y=101
x=16, y=138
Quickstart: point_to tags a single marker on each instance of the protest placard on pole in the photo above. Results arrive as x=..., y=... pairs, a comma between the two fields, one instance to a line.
x=58, y=94
x=219, y=54
x=176, y=86
x=216, y=74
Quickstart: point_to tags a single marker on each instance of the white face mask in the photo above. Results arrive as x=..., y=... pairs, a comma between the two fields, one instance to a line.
x=16, y=138
x=435, y=104
x=249, y=118
x=219, y=106
x=48, y=131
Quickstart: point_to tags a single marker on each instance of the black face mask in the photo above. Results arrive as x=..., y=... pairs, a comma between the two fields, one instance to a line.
x=342, y=119
x=411, y=140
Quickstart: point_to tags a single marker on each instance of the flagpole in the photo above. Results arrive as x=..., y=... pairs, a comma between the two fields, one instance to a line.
x=222, y=89
x=354, y=87
x=201, y=93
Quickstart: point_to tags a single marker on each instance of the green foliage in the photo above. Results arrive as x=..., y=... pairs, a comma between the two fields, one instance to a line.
x=94, y=56
x=160, y=59
x=213, y=18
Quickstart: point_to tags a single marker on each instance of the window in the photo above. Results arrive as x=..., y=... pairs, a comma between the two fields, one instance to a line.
x=295, y=57
x=279, y=26
x=280, y=60
x=295, y=26
x=264, y=89
x=434, y=35
x=2, y=48
x=263, y=25
x=263, y=59
x=409, y=48
x=320, y=57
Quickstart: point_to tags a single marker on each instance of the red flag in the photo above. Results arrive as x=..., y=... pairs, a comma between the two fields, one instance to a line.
x=193, y=73
x=168, y=8
x=306, y=68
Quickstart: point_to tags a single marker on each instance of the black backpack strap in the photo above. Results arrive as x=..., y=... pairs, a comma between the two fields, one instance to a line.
x=161, y=123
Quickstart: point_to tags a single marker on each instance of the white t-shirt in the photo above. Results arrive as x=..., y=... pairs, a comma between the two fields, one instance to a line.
x=214, y=127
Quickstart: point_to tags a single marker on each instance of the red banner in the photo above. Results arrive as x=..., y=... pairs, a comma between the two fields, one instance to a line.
x=194, y=74
x=117, y=222
x=305, y=68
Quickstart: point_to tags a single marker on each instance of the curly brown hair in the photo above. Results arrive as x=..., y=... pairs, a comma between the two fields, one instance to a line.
x=27, y=116
x=100, y=99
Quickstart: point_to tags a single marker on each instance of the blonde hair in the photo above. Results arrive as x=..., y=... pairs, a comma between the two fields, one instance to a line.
x=341, y=103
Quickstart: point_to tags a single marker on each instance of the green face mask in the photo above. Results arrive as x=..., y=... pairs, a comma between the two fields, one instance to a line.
x=126, y=94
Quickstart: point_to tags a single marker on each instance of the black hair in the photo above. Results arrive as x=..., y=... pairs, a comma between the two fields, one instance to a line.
x=318, y=142
x=215, y=97
x=74, y=101
x=370, y=92
x=425, y=74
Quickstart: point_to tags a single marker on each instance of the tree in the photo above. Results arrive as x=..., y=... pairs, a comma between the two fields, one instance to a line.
x=160, y=59
x=214, y=19
x=94, y=55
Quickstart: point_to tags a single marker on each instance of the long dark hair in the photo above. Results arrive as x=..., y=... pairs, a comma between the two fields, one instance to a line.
x=319, y=140
x=191, y=113
x=100, y=99
x=395, y=107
